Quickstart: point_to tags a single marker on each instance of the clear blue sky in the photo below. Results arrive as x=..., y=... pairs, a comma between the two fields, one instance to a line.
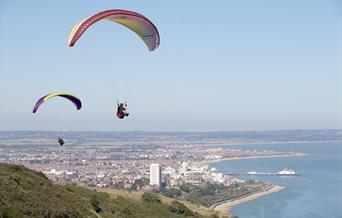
x=221, y=65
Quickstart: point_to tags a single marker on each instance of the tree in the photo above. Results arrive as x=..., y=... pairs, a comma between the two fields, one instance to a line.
x=172, y=192
x=186, y=187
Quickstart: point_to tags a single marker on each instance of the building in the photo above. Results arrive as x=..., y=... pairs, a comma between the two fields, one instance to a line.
x=155, y=174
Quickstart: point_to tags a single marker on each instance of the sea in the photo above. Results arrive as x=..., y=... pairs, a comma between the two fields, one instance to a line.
x=315, y=193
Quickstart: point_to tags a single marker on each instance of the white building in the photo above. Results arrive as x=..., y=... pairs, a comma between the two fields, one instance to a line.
x=53, y=172
x=169, y=170
x=155, y=174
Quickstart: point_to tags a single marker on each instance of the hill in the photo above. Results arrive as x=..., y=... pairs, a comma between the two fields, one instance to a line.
x=78, y=137
x=27, y=193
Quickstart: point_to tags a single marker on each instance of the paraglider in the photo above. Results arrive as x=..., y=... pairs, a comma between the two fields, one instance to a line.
x=122, y=111
x=60, y=141
x=136, y=22
x=77, y=102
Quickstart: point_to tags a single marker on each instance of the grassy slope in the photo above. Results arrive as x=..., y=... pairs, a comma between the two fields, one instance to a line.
x=27, y=193
x=137, y=195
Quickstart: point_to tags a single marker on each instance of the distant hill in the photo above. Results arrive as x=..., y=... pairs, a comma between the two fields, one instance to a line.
x=149, y=137
x=27, y=193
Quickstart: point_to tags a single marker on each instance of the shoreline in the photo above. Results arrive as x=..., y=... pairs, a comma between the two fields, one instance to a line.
x=227, y=205
x=254, y=157
x=278, y=142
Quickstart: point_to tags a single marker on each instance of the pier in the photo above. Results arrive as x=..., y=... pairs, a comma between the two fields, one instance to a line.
x=262, y=174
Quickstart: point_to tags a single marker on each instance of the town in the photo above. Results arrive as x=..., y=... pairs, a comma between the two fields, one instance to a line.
x=146, y=163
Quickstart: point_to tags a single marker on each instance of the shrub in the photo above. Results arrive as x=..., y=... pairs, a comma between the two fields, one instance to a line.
x=179, y=208
x=95, y=203
x=151, y=197
x=172, y=192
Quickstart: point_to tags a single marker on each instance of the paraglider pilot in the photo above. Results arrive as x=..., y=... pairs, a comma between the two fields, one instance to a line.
x=60, y=141
x=122, y=111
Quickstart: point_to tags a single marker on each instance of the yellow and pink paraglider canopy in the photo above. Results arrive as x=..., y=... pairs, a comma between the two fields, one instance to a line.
x=136, y=22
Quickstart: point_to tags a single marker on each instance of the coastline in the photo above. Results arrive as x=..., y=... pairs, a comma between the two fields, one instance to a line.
x=254, y=157
x=227, y=205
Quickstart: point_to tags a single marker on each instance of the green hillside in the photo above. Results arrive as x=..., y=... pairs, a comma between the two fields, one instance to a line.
x=27, y=193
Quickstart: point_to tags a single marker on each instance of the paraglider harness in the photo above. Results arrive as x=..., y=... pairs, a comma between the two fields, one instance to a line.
x=122, y=110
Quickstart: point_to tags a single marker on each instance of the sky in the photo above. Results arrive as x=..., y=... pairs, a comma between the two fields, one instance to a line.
x=221, y=66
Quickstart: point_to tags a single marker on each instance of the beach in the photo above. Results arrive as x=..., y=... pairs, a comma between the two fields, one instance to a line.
x=254, y=157
x=225, y=206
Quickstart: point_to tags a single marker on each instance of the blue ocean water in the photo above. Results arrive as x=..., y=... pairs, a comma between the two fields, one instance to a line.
x=316, y=193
